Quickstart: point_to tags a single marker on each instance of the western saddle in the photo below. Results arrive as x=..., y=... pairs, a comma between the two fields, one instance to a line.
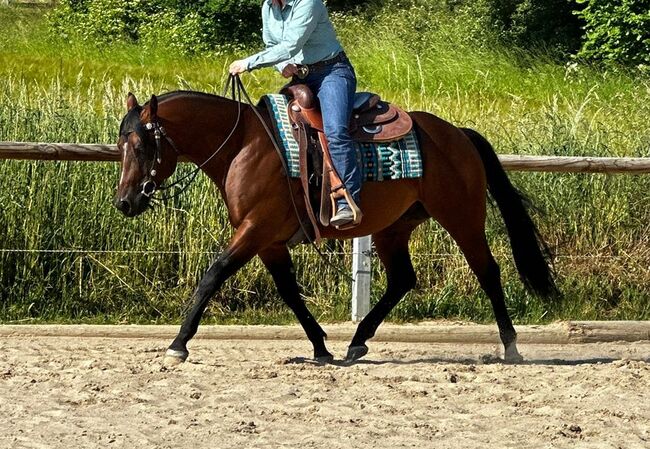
x=373, y=120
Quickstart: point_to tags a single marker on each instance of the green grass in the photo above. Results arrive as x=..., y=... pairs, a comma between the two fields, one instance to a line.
x=104, y=268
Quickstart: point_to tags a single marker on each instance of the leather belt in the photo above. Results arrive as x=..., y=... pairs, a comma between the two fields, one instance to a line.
x=306, y=69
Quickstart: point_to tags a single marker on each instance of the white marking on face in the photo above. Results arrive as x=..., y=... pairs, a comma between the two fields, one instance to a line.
x=126, y=148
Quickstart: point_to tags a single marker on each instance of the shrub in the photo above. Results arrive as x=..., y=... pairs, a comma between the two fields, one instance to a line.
x=616, y=31
x=346, y=5
x=524, y=24
x=551, y=24
x=184, y=26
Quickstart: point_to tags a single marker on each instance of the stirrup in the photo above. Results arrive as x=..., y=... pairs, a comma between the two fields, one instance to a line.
x=356, y=212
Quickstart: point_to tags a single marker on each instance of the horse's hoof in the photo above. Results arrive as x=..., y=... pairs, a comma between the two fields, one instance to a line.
x=174, y=358
x=512, y=355
x=356, y=352
x=324, y=359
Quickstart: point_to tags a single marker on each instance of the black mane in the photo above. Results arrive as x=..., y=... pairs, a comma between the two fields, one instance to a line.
x=188, y=93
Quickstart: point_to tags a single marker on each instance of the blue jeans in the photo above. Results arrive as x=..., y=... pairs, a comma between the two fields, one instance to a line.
x=335, y=86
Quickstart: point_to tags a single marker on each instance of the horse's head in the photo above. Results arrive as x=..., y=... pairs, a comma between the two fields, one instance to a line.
x=148, y=157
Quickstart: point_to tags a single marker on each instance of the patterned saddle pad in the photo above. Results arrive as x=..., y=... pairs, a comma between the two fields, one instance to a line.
x=380, y=161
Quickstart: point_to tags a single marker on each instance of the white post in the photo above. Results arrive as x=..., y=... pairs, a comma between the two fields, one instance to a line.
x=361, y=271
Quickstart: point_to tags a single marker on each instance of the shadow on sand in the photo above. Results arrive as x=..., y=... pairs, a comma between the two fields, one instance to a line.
x=485, y=359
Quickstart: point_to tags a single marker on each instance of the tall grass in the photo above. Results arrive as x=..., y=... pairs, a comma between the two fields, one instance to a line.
x=67, y=255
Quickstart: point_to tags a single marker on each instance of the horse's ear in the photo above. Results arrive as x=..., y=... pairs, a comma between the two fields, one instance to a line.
x=131, y=102
x=153, y=107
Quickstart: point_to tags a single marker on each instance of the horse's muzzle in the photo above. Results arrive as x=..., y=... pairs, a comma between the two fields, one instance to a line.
x=132, y=205
x=124, y=206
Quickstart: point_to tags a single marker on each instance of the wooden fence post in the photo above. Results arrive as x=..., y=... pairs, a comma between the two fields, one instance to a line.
x=361, y=273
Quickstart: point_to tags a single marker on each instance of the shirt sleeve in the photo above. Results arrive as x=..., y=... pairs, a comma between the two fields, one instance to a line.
x=303, y=22
x=266, y=36
x=268, y=42
x=281, y=65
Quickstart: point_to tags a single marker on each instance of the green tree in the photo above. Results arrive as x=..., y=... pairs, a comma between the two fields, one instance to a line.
x=616, y=31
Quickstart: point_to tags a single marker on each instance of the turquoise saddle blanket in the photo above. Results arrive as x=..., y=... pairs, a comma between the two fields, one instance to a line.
x=379, y=161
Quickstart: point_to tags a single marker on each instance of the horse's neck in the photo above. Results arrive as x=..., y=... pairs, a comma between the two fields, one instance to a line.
x=210, y=130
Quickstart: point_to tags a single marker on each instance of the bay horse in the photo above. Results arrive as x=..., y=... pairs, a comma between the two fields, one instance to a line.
x=459, y=167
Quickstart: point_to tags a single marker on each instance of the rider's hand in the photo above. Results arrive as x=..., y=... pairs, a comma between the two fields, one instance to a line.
x=237, y=67
x=289, y=70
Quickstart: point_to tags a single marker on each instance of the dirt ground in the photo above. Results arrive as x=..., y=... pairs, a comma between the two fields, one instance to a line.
x=64, y=392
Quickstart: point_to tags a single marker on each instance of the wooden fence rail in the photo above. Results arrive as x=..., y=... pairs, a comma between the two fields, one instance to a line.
x=33, y=3
x=564, y=164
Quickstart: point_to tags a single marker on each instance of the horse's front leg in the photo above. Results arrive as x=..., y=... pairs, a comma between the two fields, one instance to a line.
x=278, y=261
x=241, y=249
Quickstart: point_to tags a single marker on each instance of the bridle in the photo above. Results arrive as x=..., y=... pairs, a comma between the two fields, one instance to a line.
x=149, y=185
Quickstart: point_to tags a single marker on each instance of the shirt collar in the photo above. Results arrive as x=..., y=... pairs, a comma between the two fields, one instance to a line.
x=286, y=2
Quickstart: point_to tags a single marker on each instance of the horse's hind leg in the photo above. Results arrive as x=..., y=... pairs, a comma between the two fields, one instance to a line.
x=242, y=248
x=473, y=244
x=392, y=249
x=278, y=261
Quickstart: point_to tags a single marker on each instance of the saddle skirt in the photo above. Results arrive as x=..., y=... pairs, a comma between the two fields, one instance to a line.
x=398, y=158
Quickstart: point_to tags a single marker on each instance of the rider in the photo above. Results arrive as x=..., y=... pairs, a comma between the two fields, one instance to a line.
x=299, y=33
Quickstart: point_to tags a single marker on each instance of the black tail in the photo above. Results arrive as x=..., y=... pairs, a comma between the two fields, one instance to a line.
x=532, y=255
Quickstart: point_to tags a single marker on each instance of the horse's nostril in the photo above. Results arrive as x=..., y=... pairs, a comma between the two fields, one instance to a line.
x=123, y=205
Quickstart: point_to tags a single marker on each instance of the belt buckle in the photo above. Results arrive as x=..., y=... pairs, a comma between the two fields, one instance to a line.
x=302, y=72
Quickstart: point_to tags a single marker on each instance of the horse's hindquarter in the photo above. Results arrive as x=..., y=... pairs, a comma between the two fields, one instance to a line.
x=454, y=176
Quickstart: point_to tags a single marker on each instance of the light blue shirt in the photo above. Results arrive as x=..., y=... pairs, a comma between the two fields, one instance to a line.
x=299, y=33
